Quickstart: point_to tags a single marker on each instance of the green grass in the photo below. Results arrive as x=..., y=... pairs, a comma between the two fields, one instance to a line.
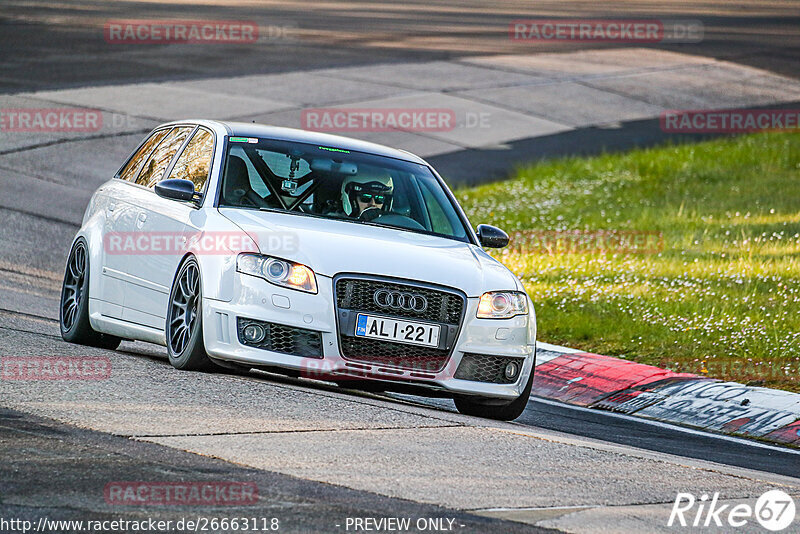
x=722, y=297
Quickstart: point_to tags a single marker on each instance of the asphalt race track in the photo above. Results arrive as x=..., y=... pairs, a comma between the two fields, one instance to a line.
x=317, y=454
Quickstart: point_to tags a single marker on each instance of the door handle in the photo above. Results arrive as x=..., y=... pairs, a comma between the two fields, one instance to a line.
x=140, y=219
x=111, y=206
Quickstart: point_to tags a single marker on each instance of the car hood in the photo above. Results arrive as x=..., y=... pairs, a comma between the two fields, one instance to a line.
x=330, y=247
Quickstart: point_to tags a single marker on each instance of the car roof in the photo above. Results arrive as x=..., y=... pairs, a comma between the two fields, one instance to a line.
x=249, y=129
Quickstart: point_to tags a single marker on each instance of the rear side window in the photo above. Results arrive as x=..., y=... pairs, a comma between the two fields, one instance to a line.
x=155, y=166
x=131, y=170
x=195, y=161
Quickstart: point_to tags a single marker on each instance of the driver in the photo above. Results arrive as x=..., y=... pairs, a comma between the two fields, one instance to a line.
x=367, y=191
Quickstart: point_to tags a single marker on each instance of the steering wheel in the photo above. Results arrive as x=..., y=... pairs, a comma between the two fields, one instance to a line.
x=390, y=219
x=370, y=214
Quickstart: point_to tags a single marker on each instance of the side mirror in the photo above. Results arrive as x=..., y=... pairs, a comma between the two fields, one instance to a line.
x=175, y=189
x=492, y=237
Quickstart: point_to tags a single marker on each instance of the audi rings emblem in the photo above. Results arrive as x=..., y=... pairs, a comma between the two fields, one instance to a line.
x=399, y=300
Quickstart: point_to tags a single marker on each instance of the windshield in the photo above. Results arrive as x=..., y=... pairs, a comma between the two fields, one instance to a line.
x=337, y=184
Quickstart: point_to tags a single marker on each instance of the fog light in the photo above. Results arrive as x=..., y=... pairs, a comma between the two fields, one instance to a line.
x=253, y=333
x=511, y=370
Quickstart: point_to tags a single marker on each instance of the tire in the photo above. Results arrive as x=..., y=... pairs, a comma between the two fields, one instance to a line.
x=73, y=311
x=184, y=325
x=501, y=412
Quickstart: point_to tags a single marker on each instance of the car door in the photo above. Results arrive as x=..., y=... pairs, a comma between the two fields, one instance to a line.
x=162, y=222
x=144, y=287
x=117, y=229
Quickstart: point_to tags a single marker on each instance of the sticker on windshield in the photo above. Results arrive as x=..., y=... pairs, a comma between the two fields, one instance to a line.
x=329, y=149
x=244, y=140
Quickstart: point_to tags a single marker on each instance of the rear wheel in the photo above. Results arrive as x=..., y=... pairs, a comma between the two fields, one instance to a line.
x=502, y=412
x=74, y=309
x=184, y=329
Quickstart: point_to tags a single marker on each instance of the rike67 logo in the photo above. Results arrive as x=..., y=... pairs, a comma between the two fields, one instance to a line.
x=774, y=511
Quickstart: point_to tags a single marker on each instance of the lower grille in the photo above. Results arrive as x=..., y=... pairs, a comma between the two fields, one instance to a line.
x=486, y=368
x=392, y=354
x=284, y=339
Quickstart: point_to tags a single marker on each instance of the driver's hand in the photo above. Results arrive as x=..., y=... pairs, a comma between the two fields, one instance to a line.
x=370, y=214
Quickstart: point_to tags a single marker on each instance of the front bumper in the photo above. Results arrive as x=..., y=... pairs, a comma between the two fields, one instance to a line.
x=257, y=299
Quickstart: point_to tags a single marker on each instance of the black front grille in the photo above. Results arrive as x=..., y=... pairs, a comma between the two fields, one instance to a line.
x=391, y=354
x=359, y=294
x=285, y=339
x=486, y=368
x=444, y=307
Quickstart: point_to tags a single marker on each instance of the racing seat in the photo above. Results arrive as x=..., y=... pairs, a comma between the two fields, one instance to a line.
x=237, y=190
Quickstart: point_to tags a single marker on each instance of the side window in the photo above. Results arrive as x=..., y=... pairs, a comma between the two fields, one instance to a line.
x=195, y=161
x=159, y=161
x=135, y=163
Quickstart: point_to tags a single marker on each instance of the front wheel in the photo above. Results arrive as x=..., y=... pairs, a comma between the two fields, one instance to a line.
x=184, y=328
x=501, y=412
x=73, y=313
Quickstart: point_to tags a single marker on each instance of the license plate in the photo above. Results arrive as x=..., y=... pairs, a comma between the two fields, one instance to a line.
x=394, y=330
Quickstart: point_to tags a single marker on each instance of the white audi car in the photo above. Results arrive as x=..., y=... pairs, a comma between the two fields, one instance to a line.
x=242, y=245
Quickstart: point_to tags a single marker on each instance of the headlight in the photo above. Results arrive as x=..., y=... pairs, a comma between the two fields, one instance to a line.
x=277, y=271
x=502, y=305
